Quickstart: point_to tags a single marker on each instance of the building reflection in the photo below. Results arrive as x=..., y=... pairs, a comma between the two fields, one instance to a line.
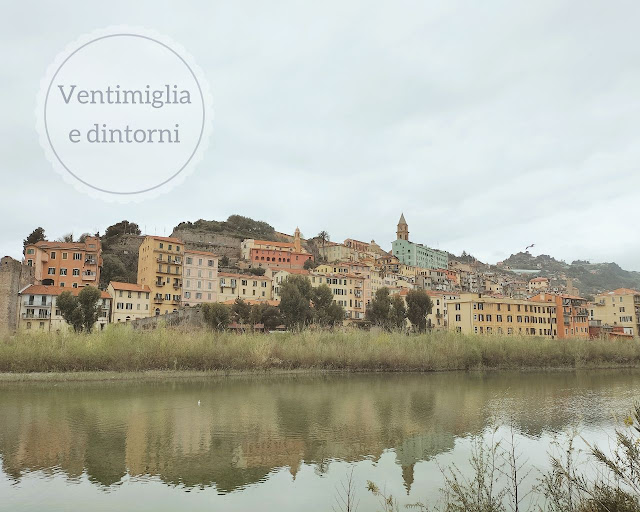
x=246, y=428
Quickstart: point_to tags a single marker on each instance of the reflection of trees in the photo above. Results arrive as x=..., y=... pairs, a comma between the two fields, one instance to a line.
x=247, y=427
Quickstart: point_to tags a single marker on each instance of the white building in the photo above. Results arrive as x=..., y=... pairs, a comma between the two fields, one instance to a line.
x=199, y=277
x=38, y=310
x=130, y=301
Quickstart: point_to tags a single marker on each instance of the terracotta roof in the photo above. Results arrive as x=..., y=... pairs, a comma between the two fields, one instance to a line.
x=242, y=276
x=43, y=244
x=201, y=253
x=130, y=287
x=279, y=244
x=41, y=289
x=622, y=291
x=165, y=239
x=293, y=271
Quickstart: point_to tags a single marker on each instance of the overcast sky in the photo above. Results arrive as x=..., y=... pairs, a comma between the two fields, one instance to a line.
x=491, y=125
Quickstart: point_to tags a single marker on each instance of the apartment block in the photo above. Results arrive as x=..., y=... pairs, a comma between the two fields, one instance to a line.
x=244, y=286
x=478, y=314
x=199, y=277
x=160, y=262
x=38, y=309
x=572, y=314
x=129, y=301
x=618, y=308
x=282, y=275
x=66, y=264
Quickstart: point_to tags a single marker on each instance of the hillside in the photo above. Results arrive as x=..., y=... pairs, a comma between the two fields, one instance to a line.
x=589, y=278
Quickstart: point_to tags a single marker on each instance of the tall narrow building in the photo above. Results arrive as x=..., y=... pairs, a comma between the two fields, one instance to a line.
x=160, y=268
x=402, y=232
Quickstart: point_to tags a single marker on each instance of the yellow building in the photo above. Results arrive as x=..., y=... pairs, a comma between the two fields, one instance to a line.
x=160, y=268
x=619, y=307
x=347, y=290
x=476, y=314
x=129, y=301
x=244, y=286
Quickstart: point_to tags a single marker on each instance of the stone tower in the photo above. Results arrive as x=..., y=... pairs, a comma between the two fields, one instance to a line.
x=296, y=241
x=403, y=229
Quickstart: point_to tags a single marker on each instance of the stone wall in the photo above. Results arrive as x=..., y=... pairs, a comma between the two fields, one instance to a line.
x=184, y=317
x=222, y=245
x=13, y=277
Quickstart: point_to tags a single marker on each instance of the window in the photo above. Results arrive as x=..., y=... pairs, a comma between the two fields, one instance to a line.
x=63, y=271
x=76, y=271
x=64, y=255
x=51, y=271
x=53, y=255
x=77, y=255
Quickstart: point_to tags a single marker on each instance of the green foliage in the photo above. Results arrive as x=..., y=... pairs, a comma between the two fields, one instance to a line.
x=379, y=310
x=37, y=235
x=217, y=316
x=80, y=312
x=124, y=227
x=295, y=298
x=113, y=269
x=235, y=225
x=224, y=261
x=419, y=305
x=398, y=313
x=266, y=314
x=310, y=264
x=241, y=311
x=325, y=311
x=257, y=271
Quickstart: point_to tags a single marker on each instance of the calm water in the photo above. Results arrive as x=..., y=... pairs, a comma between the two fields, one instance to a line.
x=285, y=443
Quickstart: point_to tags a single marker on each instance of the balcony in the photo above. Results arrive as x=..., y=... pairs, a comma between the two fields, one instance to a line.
x=90, y=261
x=159, y=284
x=176, y=286
x=37, y=304
x=88, y=276
x=32, y=316
x=158, y=299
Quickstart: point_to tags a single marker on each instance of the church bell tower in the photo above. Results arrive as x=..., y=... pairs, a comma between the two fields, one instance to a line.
x=403, y=229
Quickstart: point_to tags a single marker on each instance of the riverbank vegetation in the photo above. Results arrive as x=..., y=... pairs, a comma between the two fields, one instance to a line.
x=606, y=480
x=123, y=349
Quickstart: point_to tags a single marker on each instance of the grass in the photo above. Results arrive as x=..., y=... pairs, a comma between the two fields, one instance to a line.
x=125, y=350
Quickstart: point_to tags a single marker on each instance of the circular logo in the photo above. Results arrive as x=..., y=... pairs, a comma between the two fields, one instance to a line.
x=124, y=114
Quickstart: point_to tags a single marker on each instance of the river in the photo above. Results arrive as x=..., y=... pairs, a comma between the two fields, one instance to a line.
x=282, y=443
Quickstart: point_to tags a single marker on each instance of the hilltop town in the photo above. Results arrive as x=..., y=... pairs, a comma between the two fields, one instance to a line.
x=147, y=276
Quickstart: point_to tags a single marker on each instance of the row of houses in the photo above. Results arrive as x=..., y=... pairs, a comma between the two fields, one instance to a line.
x=173, y=276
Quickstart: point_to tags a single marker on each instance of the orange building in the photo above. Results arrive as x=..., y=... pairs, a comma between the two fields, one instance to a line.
x=267, y=254
x=66, y=264
x=572, y=314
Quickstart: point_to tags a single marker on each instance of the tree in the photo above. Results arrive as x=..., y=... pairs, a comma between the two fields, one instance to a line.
x=419, y=305
x=241, y=311
x=70, y=311
x=68, y=238
x=88, y=301
x=379, y=310
x=325, y=310
x=323, y=236
x=80, y=312
x=224, y=261
x=309, y=264
x=113, y=269
x=267, y=315
x=257, y=271
x=37, y=235
x=216, y=315
x=124, y=227
x=398, y=313
x=295, y=298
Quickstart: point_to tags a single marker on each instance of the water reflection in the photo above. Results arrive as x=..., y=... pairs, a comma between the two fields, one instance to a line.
x=246, y=428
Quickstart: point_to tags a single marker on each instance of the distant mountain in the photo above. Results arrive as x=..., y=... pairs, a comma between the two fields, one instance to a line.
x=589, y=278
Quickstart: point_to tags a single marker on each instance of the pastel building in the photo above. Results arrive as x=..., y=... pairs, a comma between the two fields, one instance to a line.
x=38, y=311
x=129, y=301
x=572, y=314
x=619, y=308
x=347, y=291
x=244, y=286
x=199, y=277
x=416, y=255
x=66, y=264
x=275, y=255
x=160, y=268
x=478, y=314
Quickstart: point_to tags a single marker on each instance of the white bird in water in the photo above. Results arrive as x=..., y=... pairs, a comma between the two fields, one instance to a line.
x=198, y=403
